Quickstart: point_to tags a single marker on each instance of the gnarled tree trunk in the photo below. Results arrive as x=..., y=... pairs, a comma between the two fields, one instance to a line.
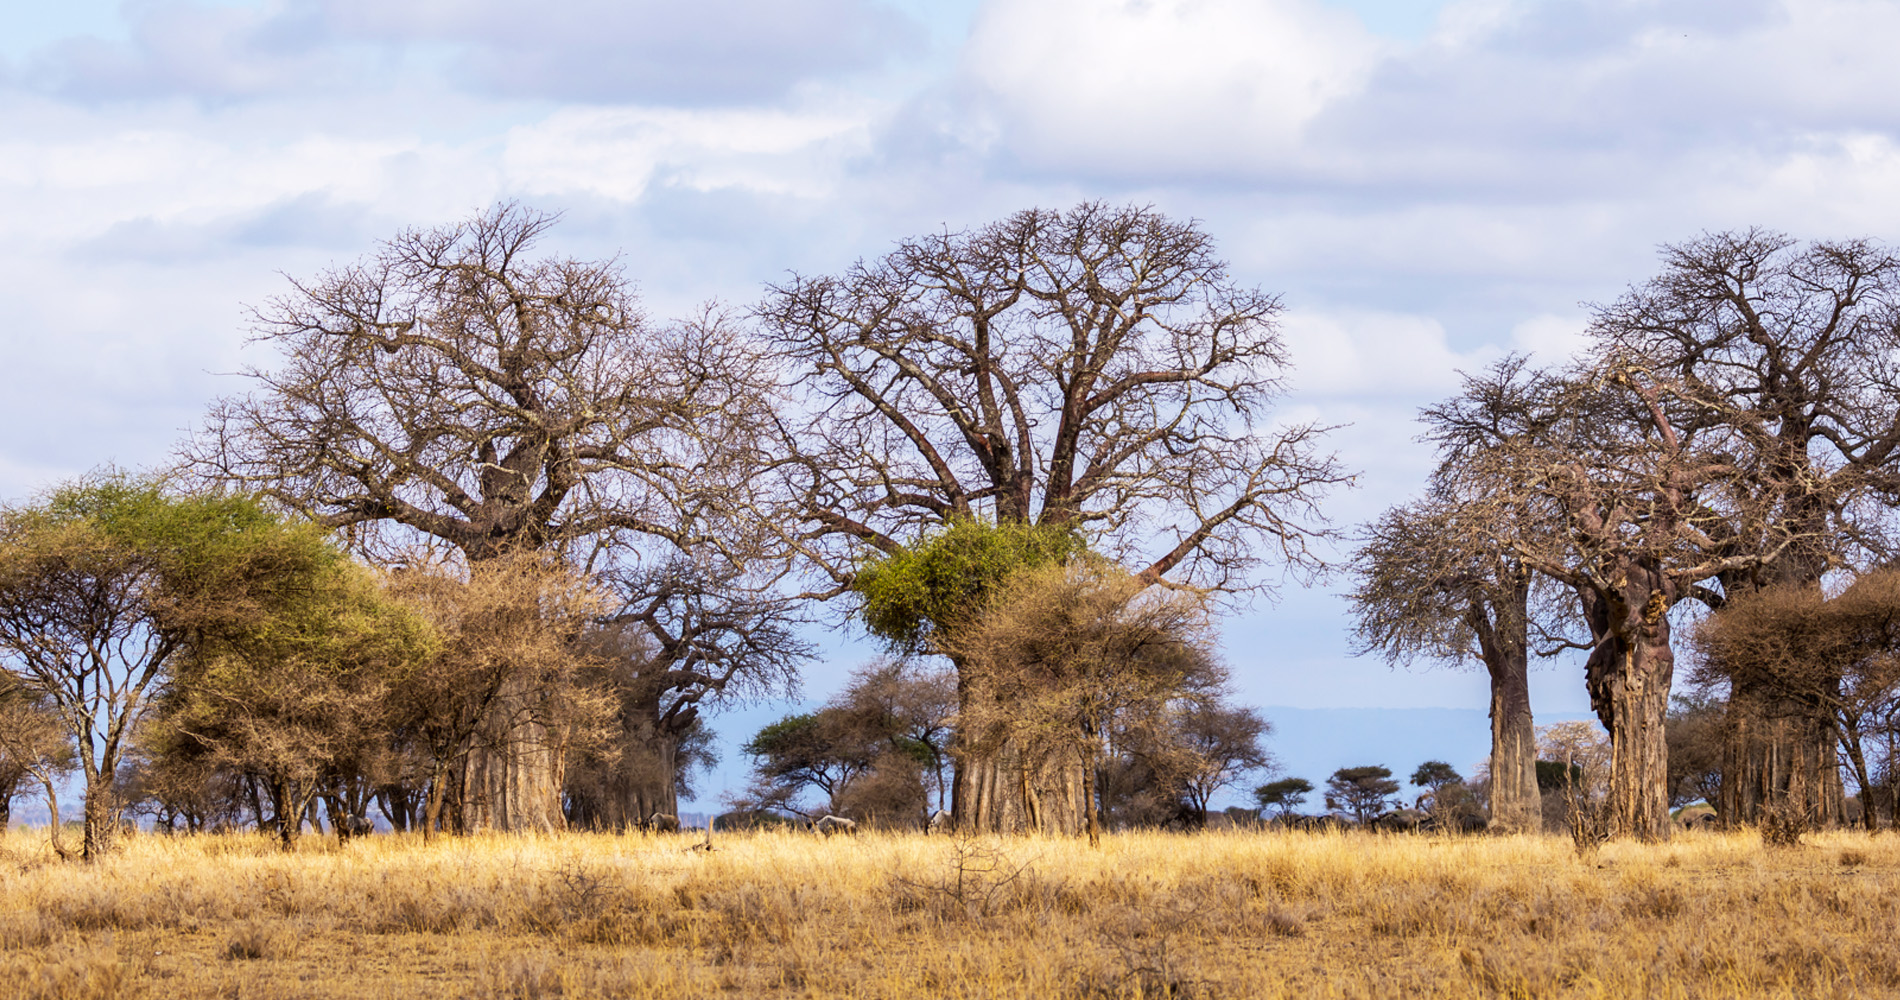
x=998, y=791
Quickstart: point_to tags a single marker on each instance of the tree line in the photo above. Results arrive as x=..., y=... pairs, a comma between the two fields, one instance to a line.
x=485, y=542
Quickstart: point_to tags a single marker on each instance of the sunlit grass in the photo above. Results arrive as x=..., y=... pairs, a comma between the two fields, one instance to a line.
x=1231, y=914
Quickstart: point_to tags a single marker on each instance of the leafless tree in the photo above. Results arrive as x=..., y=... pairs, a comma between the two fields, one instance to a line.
x=459, y=387
x=1095, y=367
x=1435, y=585
x=1642, y=511
x=1789, y=351
x=685, y=636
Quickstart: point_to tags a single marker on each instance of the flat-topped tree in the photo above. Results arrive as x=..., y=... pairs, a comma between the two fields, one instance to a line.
x=1095, y=368
x=458, y=386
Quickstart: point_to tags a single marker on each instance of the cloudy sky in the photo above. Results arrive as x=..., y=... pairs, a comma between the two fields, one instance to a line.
x=1429, y=184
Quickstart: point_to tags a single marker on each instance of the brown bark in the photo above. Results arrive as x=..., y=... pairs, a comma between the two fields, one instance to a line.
x=1637, y=693
x=1780, y=752
x=1516, y=802
x=1000, y=792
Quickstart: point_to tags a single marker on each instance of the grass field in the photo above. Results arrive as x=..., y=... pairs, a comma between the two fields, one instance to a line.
x=1233, y=914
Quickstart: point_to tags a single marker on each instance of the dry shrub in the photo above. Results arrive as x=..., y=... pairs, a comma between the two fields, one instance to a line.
x=256, y=939
x=83, y=972
x=1853, y=858
x=1782, y=825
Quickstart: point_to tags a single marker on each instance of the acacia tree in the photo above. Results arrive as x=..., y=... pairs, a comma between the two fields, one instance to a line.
x=1093, y=369
x=459, y=387
x=1365, y=791
x=100, y=583
x=289, y=673
x=1789, y=351
x=1216, y=745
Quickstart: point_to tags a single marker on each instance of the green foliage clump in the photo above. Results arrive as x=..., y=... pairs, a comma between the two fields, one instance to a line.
x=1285, y=795
x=930, y=588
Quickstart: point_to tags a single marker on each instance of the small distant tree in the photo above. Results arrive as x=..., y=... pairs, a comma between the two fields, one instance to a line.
x=1218, y=746
x=1365, y=792
x=819, y=751
x=1283, y=796
x=1435, y=774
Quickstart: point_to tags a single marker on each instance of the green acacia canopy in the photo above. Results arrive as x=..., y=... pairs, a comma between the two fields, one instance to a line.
x=938, y=583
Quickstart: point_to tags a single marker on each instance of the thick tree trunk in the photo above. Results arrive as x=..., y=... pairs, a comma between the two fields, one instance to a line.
x=999, y=792
x=515, y=773
x=1779, y=753
x=1638, y=699
x=1504, y=642
x=644, y=781
x=1516, y=803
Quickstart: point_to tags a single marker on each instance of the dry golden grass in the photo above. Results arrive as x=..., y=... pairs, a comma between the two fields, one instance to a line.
x=785, y=915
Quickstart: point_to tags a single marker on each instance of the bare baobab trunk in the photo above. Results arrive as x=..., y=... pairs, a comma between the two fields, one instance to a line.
x=998, y=791
x=513, y=777
x=1504, y=645
x=1779, y=752
x=1516, y=803
x=1637, y=696
x=1629, y=676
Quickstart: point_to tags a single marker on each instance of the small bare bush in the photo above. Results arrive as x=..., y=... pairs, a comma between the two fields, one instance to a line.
x=1782, y=825
x=253, y=940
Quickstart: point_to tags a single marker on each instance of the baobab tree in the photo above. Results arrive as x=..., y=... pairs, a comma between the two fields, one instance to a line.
x=1435, y=585
x=457, y=388
x=1095, y=369
x=1788, y=350
x=1640, y=512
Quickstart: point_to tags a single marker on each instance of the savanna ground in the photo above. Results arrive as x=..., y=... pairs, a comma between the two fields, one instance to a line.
x=1231, y=914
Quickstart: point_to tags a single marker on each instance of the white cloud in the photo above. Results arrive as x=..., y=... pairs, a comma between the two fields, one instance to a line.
x=1112, y=87
x=705, y=53
x=1550, y=339
x=1360, y=353
x=618, y=153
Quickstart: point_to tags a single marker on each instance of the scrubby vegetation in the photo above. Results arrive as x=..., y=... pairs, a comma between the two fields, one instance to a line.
x=1241, y=914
